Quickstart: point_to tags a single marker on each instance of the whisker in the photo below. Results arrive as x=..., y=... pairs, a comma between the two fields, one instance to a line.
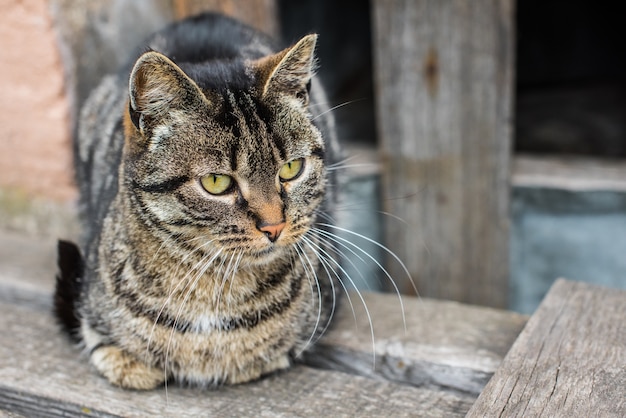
x=342, y=241
x=172, y=289
x=325, y=215
x=192, y=285
x=326, y=257
x=343, y=256
x=318, y=251
x=337, y=107
x=347, y=166
x=171, y=292
x=299, y=249
x=232, y=274
x=224, y=277
x=340, y=162
x=325, y=265
x=378, y=244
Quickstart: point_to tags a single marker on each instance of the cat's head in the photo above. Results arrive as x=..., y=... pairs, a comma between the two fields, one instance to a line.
x=226, y=154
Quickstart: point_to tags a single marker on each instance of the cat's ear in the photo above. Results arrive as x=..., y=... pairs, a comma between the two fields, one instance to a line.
x=289, y=71
x=157, y=86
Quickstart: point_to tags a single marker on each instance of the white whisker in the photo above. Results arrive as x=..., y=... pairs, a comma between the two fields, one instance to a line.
x=378, y=244
x=336, y=107
x=347, y=166
x=173, y=289
x=324, y=257
x=191, y=285
x=341, y=254
x=232, y=272
x=301, y=252
x=344, y=242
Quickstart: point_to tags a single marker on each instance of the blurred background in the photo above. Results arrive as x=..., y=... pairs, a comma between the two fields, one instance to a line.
x=485, y=140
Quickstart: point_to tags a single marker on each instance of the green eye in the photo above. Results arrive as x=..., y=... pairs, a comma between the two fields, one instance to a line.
x=216, y=183
x=291, y=170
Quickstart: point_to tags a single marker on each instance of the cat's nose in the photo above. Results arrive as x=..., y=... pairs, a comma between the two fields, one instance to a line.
x=272, y=231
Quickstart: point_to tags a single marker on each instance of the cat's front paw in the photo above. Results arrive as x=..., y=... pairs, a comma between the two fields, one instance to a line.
x=125, y=371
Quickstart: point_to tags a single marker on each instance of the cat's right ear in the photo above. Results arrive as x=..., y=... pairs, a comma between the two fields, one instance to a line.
x=157, y=86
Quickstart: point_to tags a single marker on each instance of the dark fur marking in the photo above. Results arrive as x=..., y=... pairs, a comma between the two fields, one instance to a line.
x=318, y=152
x=265, y=287
x=266, y=115
x=220, y=76
x=252, y=319
x=246, y=321
x=134, y=116
x=226, y=118
x=234, y=150
x=68, y=287
x=166, y=186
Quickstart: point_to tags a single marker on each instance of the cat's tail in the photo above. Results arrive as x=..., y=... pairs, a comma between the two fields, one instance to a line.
x=68, y=287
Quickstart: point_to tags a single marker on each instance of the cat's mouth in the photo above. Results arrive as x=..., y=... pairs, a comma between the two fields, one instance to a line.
x=267, y=253
x=263, y=252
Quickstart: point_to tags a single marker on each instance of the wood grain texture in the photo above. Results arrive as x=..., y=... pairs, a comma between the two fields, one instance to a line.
x=42, y=375
x=443, y=80
x=27, y=269
x=570, y=360
x=572, y=173
x=446, y=346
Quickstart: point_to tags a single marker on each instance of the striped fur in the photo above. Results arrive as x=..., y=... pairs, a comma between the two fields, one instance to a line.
x=177, y=283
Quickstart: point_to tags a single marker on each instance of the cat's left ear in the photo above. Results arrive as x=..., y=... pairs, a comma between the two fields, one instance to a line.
x=289, y=71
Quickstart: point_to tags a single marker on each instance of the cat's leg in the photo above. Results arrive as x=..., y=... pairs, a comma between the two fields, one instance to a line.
x=258, y=370
x=120, y=368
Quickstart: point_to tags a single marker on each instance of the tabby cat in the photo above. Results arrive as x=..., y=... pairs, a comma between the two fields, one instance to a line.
x=205, y=195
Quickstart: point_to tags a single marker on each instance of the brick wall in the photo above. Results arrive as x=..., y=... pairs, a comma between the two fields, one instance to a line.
x=35, y=158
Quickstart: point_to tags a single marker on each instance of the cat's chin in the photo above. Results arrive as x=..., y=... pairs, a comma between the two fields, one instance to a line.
x=265, y=255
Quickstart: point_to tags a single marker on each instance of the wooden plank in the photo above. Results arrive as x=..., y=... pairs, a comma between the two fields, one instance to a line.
x=446, y=346
x=572, y=173
x=443, y=79
x=27, y=269
x=43, y=375
x=570, y=360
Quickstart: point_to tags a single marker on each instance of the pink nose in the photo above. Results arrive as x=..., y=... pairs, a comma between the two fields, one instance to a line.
x=272, y=231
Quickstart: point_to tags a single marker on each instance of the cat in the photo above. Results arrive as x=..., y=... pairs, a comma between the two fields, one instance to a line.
x=206, y=200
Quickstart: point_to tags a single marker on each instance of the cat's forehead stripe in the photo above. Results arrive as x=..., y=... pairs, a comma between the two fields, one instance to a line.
x=252, y=123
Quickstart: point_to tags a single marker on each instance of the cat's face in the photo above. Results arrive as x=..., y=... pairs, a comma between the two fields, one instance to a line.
x=236, y=171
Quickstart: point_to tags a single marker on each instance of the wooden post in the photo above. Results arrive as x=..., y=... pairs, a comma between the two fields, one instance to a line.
x=443, y=79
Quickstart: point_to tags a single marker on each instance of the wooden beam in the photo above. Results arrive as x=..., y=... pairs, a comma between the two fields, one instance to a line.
x=443, y=80
x=445, y=346
x=570, y=360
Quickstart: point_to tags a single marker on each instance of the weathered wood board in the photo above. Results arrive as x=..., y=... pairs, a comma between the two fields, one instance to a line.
x=570, y=360
x=43, y=375
x=446, y=346
x=448, y=351
x=443, y=80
